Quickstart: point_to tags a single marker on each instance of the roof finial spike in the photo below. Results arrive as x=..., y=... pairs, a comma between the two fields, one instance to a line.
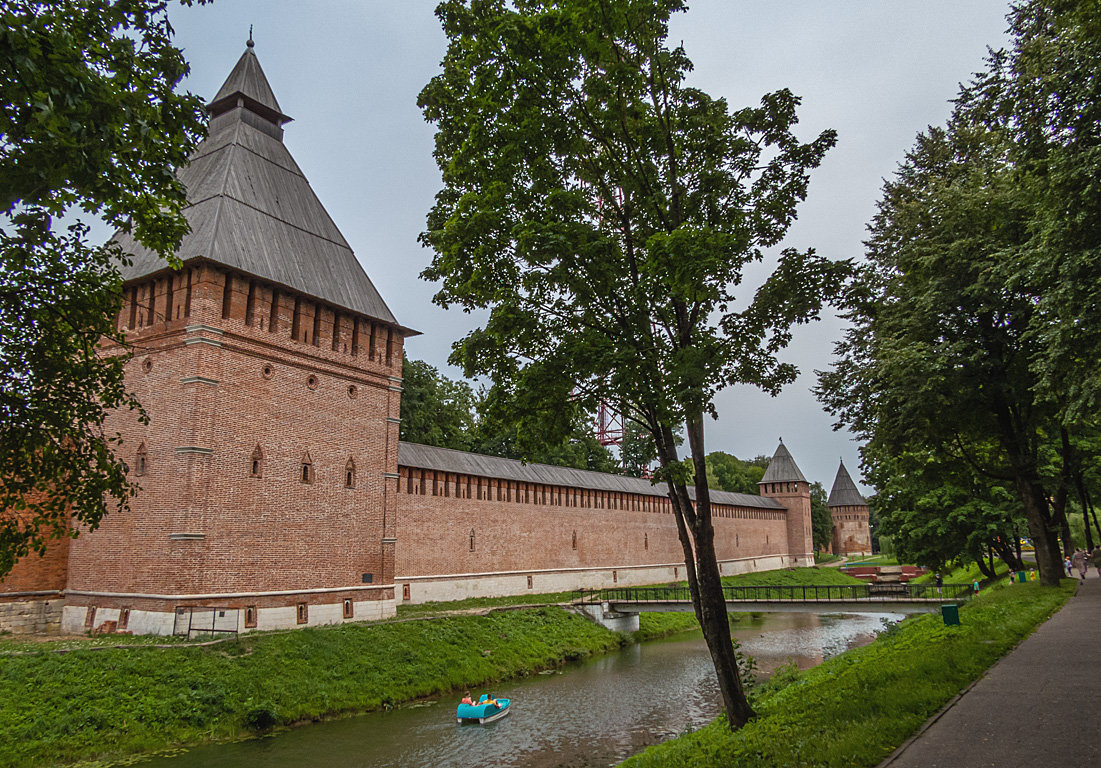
x=781, y=439
x=250, y=43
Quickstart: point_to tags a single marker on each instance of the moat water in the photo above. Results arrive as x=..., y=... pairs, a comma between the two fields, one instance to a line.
x=594, y=713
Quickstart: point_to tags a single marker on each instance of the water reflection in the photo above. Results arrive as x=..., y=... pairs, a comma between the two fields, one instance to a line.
x=595, y=713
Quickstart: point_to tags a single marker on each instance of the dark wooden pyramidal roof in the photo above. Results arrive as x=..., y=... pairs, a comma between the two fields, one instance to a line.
x=252, y=209
x=845, y=493
x=782, y=468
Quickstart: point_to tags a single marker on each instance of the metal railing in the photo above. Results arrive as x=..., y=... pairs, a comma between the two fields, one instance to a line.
x=790, y=593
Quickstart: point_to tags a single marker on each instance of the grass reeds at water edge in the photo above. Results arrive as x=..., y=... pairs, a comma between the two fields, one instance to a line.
x=116, y=702
x=856, y=708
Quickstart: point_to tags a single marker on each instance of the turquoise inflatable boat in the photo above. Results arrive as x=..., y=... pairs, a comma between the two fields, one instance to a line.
x=485, y=711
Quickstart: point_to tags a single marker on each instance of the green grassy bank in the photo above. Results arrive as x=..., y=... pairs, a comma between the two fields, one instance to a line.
x=854, y=709
x=109, y=703
x=962, y=575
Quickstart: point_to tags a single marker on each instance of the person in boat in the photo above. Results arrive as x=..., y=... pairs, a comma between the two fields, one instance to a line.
x=467, y=699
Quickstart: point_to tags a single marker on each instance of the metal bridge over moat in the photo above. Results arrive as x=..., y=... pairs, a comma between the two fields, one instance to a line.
x=847, y=598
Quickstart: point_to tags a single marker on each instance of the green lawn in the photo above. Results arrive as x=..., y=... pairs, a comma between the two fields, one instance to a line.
x=791, y=576
x=406, y=611
x=876, y=560
x=855, y=709
x=964, y=575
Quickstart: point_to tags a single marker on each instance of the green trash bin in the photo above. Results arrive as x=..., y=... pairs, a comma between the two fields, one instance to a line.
x=951, y=615
x=1022, y=577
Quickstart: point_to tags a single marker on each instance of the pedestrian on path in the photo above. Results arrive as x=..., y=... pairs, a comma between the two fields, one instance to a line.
x=1079, y=560
x=1067, y=566
x=1097, y=559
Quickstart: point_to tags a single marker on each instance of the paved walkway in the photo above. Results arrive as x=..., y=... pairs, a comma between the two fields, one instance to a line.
x=1039, y=706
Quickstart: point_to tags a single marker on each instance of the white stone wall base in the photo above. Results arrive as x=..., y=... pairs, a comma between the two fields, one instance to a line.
x=31, y=617
x=72, y=618
x=429, y=589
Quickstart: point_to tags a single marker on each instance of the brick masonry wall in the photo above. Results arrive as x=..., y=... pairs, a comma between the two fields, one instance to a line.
x=269, y=481
x=795, y=496
x=494, y=545
x=851, y=531
x=39, y=573
x=222, y=388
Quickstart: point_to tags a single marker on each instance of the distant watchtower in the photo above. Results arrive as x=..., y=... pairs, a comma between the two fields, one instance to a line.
x=784, y=482
x=851, y=531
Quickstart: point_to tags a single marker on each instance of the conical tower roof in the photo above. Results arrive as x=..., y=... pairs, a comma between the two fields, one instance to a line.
x=782, y=468
x=845, y=493
x=248, y=82
x=252, y=209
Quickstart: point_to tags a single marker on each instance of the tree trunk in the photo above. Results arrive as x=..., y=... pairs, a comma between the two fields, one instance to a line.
x=1019, y=442
x=1048, y=559
x=697, y=541
x=1092, y=511
x=984, y=568
x=1007, y=554
x=1080, y=487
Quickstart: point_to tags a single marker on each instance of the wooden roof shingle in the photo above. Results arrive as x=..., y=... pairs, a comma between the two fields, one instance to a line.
x=844, y=492
x=252, y=209
x=782, y=468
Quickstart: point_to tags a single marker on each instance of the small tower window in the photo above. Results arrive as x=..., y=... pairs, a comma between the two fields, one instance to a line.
x=574, y=544
x=471, y=539
x=256, y=463
x=303, y=613
x=250, y=617
x=140, y=461
x=306, y=476
x=350, y=474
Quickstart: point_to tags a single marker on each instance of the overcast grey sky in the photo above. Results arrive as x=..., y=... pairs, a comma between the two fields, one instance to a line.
x=877, y=71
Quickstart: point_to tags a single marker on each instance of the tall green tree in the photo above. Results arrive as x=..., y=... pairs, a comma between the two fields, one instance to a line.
x=1045, y=95
x=499, y=433
x=939, y=356
x=90, y=123
x=603, y=211
x=821, y=518
x=436, y=410
x=729, y=473
x=449, y=413
x=636, y=451
x=937, y=513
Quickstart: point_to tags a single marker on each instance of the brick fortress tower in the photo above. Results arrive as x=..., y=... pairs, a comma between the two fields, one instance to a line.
x=784, y=482
x=270, y=370
x=851, y=531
